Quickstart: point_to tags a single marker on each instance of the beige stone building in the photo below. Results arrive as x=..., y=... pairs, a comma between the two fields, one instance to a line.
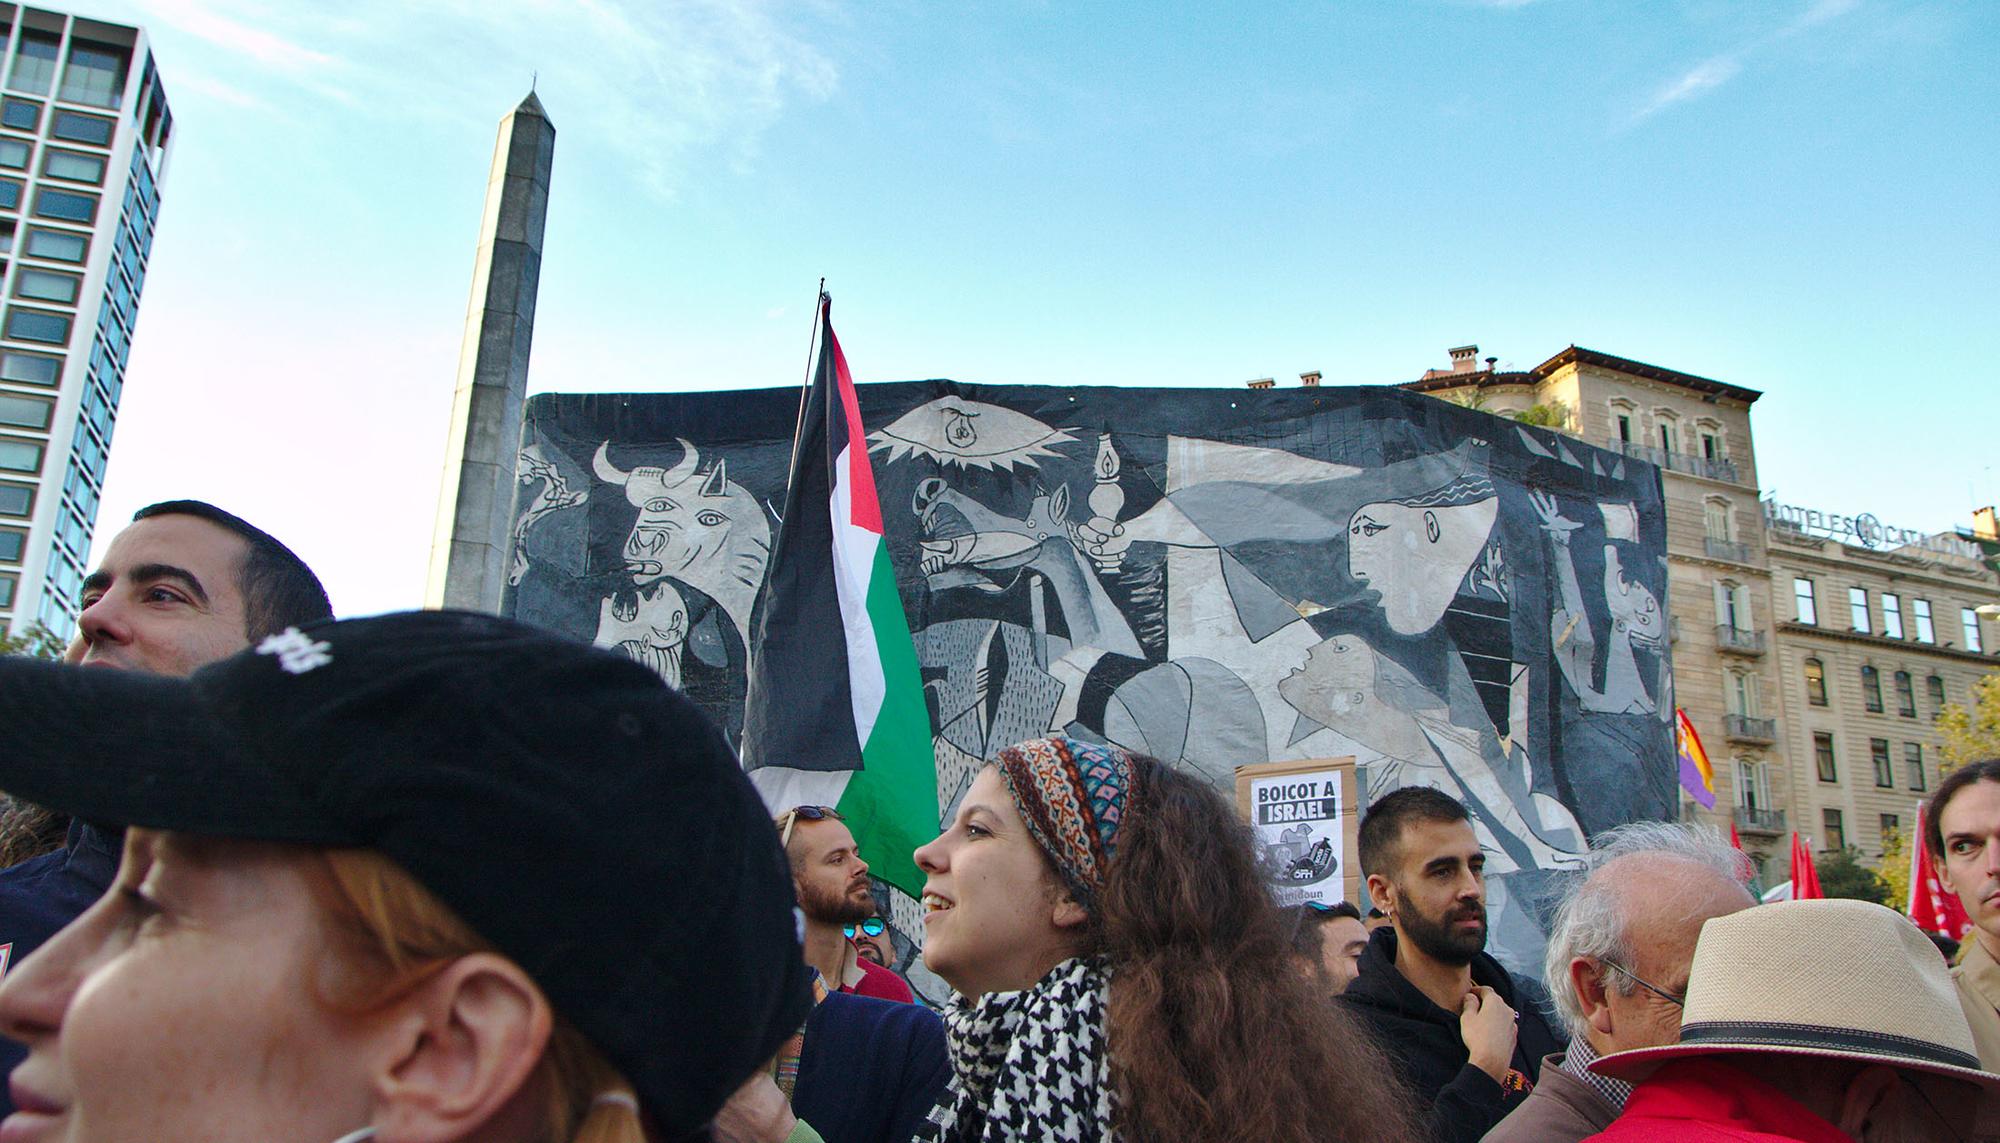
x=1739, y=647
x=1873, y=640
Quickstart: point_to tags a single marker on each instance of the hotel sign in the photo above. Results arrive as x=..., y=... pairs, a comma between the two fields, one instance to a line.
x=1864, y=529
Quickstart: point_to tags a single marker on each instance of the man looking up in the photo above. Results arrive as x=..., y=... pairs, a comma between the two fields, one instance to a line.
x=833, y=891
x=184, y=585
x=1962, y=839
x=1328, y=940
x=1617, y=966
x=1444, y=1011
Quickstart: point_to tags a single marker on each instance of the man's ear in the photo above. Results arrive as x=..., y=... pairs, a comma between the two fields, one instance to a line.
x=1865, y=1095
x=1586, y=979
x=1382, y=892
x=466, y=1041
x=1943, y=872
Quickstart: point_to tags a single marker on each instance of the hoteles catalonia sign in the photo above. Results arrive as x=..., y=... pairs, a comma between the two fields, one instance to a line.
x=1866, y=530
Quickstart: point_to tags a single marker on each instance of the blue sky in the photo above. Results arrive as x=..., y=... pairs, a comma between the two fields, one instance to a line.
x=1798, y=196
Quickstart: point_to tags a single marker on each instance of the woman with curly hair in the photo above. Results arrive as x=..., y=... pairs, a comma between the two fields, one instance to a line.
x=1122, y=973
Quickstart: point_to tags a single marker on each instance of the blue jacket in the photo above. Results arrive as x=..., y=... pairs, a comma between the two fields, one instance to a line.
x=870, y=1070
x=41, y=895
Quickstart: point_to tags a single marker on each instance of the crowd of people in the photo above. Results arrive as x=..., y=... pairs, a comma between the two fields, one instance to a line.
x=439, y=877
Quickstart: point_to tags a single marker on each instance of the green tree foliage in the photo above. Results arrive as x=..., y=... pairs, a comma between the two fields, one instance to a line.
x=34, y=640
x=1972, y=732
x=1552, y=415
x=1894, y=868
x=1844, y=875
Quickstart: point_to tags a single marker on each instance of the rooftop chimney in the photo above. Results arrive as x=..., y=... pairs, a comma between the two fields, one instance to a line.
x=1465, y=359
x=1263, y=383
x=1310, y=379
x=1985, y=525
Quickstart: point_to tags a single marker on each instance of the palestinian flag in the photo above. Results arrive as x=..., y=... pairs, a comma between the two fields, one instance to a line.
x=835, y=714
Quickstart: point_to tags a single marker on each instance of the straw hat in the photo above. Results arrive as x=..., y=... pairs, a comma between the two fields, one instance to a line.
x=1842, y=979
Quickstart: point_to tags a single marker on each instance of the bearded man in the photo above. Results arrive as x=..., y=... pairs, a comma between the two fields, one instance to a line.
x=1464, y=1036
x=834, y=892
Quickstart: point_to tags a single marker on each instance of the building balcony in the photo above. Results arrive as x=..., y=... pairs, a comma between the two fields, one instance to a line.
x=1738, y=640
x=1744, y=728
x=1723, y=470
x=1726, y=550
x=1751, y=820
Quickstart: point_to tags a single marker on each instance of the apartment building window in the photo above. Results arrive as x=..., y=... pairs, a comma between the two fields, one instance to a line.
x=7, y=583
x=26, y=368
x=1871, y=689
x=77, y=127
x=1715, y=519
x=1857, y=609
x=1891, y=825
x=56, y=245
x=1625, y=427
x=1835, y=838
x=1711, y=446
x=14, y=153
x=20, y=455
x=1892, y=615
x=1808, y=608
x=1920, y=611
x=38, y=325
x=35, y=62
x=16, y=499
x=1670, y=436
x=1829, y=769
x=20, y=115
x=65, y=206
x=1968, y=622
x=46, y=285
x=1906, y=695
x=1815, y=682
x=13, y=542
x=1935, y=687
x=96, y=74
x=73, y=166
x=1742, y=694
x=1752, y=790
x=1878, y=753
x=1732, y=605
x=1913, y=764
x=23, y=412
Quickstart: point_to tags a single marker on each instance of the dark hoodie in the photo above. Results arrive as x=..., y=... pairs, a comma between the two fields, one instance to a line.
x=1427, y=1052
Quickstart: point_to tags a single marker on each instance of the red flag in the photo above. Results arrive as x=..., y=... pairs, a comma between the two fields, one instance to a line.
x=1934, y=908
x=1805, y=876
x=1734, y=841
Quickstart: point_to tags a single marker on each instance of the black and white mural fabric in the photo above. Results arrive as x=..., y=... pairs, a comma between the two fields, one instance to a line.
x=1209, y=577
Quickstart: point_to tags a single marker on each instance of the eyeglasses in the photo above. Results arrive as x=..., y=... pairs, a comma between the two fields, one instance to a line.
x=791, y=817
x=1680, y=1001
x=872, y=927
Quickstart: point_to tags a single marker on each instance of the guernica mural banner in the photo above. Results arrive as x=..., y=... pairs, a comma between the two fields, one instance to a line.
x=1212, y=577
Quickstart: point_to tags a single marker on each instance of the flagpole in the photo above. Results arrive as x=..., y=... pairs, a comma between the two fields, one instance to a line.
x=812, y=341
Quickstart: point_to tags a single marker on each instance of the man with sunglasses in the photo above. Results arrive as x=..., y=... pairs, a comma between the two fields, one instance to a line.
x=1617, y=964
x=833, y=889
x=871, y=940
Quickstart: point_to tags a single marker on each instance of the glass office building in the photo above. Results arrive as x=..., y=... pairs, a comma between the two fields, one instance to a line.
x=84, y=138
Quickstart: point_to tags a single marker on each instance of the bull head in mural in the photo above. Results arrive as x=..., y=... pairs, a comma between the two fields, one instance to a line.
x=699, y=528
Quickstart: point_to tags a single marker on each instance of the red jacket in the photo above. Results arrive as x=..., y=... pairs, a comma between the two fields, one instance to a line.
x=1703, y=1100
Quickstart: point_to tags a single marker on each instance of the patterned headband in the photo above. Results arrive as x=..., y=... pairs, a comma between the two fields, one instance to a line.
x=1072, y=794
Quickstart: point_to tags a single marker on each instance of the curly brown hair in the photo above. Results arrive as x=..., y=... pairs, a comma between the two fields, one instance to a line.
x=1214, y=1032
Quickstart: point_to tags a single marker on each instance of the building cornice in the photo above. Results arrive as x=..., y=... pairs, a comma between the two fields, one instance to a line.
x=1883, y=642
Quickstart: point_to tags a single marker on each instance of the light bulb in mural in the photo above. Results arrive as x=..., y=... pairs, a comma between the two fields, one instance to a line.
x=970, y=434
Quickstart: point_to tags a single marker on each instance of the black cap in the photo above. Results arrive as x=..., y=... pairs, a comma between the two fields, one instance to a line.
x=560, y=798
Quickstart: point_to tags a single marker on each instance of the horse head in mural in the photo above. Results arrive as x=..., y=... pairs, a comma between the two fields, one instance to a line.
x=699, y=528
x=967, y=544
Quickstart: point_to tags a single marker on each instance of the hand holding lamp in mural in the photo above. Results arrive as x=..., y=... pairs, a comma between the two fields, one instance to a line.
x=1102, y=537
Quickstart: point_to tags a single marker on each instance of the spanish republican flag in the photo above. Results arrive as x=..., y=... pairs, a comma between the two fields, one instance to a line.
x=1697, y=776
x=835, y=714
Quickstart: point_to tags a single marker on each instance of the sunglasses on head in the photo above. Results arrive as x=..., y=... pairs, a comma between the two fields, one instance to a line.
x=873, y=927
x=791, y=817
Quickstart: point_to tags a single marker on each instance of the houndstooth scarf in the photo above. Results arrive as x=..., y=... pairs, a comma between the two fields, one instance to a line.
x=1029, y=1065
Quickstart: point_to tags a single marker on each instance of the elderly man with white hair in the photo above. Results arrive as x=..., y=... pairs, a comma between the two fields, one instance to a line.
x=1617, y=966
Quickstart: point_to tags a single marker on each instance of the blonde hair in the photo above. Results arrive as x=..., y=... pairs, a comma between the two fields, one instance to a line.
x=410, y=934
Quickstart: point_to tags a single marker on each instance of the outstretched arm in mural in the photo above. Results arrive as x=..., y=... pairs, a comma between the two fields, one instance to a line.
x=554, y=495
x=1636, y=620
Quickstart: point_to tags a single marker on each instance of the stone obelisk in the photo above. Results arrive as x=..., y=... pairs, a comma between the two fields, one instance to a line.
x=472, y=539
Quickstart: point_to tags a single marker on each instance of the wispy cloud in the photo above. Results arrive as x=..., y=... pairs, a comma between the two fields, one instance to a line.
x=1698, y=80
x=1722, y=67
x=675, y=88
